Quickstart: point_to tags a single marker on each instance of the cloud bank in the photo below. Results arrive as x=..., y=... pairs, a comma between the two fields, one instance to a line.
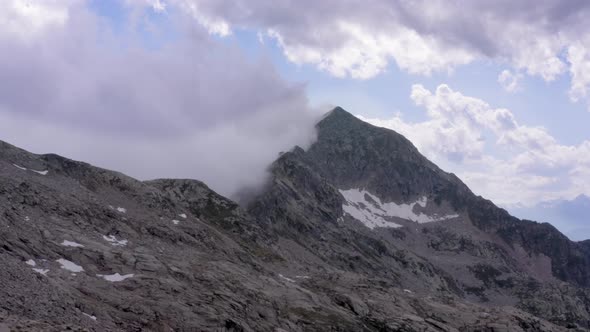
x=359, y=39
x=491, y=151
x=193, y=106
x=190, y=106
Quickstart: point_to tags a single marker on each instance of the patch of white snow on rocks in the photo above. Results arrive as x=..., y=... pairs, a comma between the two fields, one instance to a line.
x=41, y=271
x=175, y=222
x=31, y=262
x=115, y=277
x=371, y=211
x=70, y=266
x=114, y=242
x=89, y=316
x=182, y=215
x=32, y=170
x=285, y=278
x=67, y=243
x=122, y=210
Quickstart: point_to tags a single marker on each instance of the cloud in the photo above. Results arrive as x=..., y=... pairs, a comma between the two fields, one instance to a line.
x=361, y=39
x=189, y=107
x=510, y=81
x=364, y=54
x=579, y=57
x=26, y=19
x=487, y=147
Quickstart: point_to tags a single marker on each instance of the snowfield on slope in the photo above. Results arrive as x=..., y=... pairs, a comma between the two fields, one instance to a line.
x=115, y=277
x=70, y=266
x=32, y=170
x=67, y=243
x=114, y=242
x=372, y=212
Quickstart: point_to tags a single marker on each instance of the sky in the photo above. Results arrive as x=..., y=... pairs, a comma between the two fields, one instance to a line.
x=497, y=92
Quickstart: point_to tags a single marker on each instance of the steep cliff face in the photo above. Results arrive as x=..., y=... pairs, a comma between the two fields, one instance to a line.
x=358, y=233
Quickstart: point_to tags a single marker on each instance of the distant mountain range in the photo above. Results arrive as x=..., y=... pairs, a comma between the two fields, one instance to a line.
x=572, y=217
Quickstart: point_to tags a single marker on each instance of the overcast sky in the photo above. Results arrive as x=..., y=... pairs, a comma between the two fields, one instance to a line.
x=497, y=92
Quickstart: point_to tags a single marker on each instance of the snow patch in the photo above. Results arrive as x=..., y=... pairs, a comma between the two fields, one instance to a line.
x=175, y=222
x=27, y=218
x=114, y=242
x=32, y=170
x=371, y=211
x=41, y=271
x=89, y=316
x=31, y=262
x=285, y=278
x=115, y=277
x=302, y=277
x=366, y=212
x=67, y=243
x=122, y=210
x=70, y=266
x=182, y=215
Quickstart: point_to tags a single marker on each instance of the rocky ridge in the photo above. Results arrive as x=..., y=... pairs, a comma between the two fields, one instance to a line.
x=83, y=248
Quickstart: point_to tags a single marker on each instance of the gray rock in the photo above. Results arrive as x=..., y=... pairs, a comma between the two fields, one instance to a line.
x=289, y=259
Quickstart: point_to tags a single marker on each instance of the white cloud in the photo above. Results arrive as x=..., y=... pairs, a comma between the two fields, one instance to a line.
x=493, y=153
x=29, y=19
x=579, y=57
x=360, y=40
x=192, y=107
x=158, y=5
x=214, y=24
x=510, y=81
x=364, y=54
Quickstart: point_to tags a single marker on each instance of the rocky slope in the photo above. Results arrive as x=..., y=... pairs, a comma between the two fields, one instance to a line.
x=358, y=233
x=333, y=198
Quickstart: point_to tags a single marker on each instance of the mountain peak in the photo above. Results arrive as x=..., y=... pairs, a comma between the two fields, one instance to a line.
x=360, y=205
x=354, y=154
x=338, y=115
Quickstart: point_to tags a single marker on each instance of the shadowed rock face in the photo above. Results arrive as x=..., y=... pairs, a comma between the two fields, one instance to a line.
x=84, y=248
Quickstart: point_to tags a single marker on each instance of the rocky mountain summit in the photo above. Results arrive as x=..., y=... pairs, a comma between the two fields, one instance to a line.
x=360, y=232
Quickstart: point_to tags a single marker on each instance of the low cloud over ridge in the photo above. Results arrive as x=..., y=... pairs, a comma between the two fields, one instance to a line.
x=188, y=107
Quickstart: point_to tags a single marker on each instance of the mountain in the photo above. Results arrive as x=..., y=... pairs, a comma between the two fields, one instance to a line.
x=359, y=232
x=570, y=216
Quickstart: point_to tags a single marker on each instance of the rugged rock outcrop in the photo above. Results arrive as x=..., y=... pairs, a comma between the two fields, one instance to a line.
x=358, y=233
x=483, y=254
